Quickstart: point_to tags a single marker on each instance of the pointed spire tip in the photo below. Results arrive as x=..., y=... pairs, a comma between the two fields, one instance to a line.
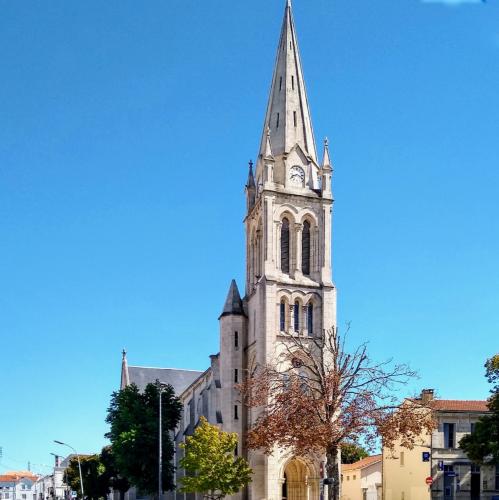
x=326, y=161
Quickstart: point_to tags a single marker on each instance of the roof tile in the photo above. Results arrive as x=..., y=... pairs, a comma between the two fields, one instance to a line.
x=361, y=464
x=459, y=405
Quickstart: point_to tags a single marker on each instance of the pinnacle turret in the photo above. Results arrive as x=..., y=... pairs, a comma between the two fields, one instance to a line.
x=326, y=160
x=268, y=154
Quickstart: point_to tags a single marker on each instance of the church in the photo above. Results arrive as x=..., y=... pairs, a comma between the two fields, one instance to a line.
x=289, y=288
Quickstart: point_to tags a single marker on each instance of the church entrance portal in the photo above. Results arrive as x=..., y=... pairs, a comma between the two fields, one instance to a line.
x=299, y=482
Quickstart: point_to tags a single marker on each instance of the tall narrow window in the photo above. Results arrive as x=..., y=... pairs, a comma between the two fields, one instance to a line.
x=449, y=435
x=282, y=316
x=236, y=414
x=305, y=248
x=294, y=117
x=280, y=84
x=296, y=316
x=310, y=318
x=236, y=340
x=277, y=121
x=293, y=82
x=236, y=376
x=285, y=246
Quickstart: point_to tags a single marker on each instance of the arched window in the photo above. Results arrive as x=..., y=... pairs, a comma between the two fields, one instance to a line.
x=282, y=316
x=296, y=316
x=310, y=318
x=305, y=248
x=285, y=246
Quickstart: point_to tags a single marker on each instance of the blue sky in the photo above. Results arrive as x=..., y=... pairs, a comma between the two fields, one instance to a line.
x=126, y=128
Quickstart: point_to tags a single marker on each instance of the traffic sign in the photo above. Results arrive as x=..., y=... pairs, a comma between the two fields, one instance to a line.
x=429, y=480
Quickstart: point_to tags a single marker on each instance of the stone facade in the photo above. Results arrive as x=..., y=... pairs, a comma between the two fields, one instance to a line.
x=288, y=289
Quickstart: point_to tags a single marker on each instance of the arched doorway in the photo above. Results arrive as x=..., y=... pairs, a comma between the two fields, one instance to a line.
x=299, y=482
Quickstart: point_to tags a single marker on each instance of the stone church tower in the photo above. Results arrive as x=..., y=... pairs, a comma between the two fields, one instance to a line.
x=289, y=284
x=288, y=290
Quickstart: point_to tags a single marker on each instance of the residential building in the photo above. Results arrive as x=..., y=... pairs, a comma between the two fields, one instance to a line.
x=289, y=287
x=52, y=486
x=362, y=480
x=17, y=485
x=436, y=468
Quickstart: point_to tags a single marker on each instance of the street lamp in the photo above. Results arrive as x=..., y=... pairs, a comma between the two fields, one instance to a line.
x=79, y=464
x=160, y=387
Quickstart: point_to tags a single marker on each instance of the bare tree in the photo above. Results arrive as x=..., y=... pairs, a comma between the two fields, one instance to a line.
x=315, y=396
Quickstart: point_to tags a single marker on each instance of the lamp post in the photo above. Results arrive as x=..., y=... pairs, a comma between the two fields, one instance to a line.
x=160, y=387
x=79, y=464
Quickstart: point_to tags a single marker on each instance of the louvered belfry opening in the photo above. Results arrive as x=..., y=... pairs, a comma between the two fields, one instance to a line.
x=296, y=316
x=285, y=246
x=305, y=249
x=282, y=316
x=310, y=318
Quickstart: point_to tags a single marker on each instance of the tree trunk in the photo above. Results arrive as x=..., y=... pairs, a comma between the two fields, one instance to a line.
x=333, y=472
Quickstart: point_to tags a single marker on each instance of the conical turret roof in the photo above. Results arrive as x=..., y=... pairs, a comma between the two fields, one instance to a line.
x=233, y=303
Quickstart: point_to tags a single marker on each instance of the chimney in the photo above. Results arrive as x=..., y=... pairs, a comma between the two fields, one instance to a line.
x=427, y=395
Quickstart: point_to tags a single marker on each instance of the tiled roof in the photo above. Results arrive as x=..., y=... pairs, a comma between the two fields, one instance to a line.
x=459, y=405
x=7, y=478
x=362, y=464
x=12, y=476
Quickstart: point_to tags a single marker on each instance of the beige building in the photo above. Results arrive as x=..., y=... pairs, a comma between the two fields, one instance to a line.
x=289, y=287
x=362, y=480
x=438, y=459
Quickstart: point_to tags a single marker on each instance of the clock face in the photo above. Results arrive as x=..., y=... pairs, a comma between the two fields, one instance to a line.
x=297, y=176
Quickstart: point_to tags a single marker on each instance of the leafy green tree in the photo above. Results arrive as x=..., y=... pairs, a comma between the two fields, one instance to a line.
x=133, y=417
x=352, y=452
x=482, y=446
x=111, y=474
x=210, y=464
x=92, y=470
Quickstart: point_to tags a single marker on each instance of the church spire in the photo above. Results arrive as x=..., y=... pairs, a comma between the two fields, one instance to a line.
x=125, y=379
x=288, y=114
